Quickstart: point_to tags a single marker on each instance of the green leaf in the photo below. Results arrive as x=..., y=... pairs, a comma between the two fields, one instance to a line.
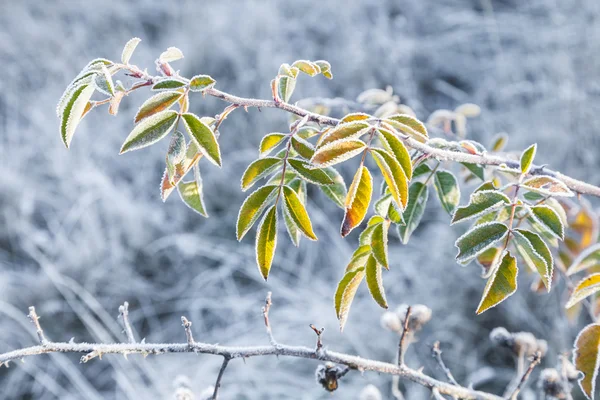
x=191, y=194
x=304, y=148
x=297, y=212
x=379, y=243
x=253, y=207
x=476, y=170
x=287, y=70
x=374, y=281
x=359, y=258
x=150, y=131
x=345, y=293
x=501, y=285
x=531, y=252
x=129, y=49
x=325, y=68
x=584, y=288
x=203, y=136
x=74, y=105
x=480, y=203
x=586, y=357
x=337, y=152
x=270, y=142
x=548, y=186
x=104, y=83
x=83, y=80
x=258, y=169
x=447, y=190
x=527, y=158
x=169, y=84
x=315, y=175
x=357, y=200
x=367, y=234
x=199, y=83
x=350, y=130
x=292, y=229
x=422, y=169
x=533, y=196
x=589, y=258
x=308, y=67
x=175, y=153
x=550, y=219
x=417, y=199
x=157, y=103
x=409, y=125
x=337, y=191
x=286, y=87
x=398, y=150
x=266, y=241
x=488, y=185
x=479, y=239
x=393, y=174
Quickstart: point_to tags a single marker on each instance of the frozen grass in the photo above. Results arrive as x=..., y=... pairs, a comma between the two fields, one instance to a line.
x=84, y=230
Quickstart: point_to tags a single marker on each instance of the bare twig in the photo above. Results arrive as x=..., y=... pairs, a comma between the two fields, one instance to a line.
x=437, y=353
x=124, y=314
x=36, y=322
x=265, y=311
x=220, y=377
x=319, y=332
x=537, y=358
x=94, y=350
x=396, y=388
x=403, y=345
x=436, y=394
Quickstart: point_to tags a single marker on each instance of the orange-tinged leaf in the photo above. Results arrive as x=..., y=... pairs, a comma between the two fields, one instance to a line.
x=394, y=176
x=584, y=288
x=337, y=152
x=501, y=285
x=157, y=103
x=350, y=130
x=266, y=241
x=547, y=186
x=297, y=212
x=357, y=200
x=586, y=358
x=253, y=207
x=345, y=293
x=374, y=282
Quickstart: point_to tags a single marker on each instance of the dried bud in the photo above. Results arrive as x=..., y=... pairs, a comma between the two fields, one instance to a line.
x=182, y=388
x=390, y=321
x=550, y=383
x=370, y=392
x=520, y=343
x=419, y=316
x=328, y=375
x=501, y=337
x=571, y=373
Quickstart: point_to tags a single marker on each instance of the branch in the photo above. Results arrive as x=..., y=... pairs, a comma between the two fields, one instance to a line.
x=437, y=353
x=124, y=313
x=38, y=328
x=537, y=358
x=93, y=350
x=402, y=346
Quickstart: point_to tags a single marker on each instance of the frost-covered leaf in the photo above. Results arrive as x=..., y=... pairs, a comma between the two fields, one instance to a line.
x=297, y=212
x=337, y=190
x=192, y=157
x=588, y=258
x=547, y=186
x=345, y=293
x=104, y=83
x=157, y=103
x=422, y=169
x=476, y=170
x=393, y=174
x=417, y=200
x=478, y=239
x=350, y=130
x=287, y=70
x=354, y=117
x=488, y=258
x=315, y=175
x=191, y=194
x=527, y=158
x=535, y=253
x=204, y=137
x=359, y=258
x=129, y=49
x=76, y=84
x=447, y=190
x=253, y=207
x=270, y=142
x=410, y=126
x=292, y=229
x=357, y=201
x=480, y=203
x=386, y=208
x=308, y=67
x=171, y=54
x=199, y=83
x=398, y=150
x=367, y=234
x=72, y=111
x=374, y=282
x=266, y=241
x=258, y=169
x=150, y=131
x=325, y=68
x=379, y=243
x=169, y=84
x=337, y=152
x=584, y=288
x=469, y=110
x=501, y=285
x=550, y=219
x=175, y=153
x=586, y=357
x=304, y=148
x=286, y=87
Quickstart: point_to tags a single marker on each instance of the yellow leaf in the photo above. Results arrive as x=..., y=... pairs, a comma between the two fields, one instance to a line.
x=501, y=285
x=350, y=130
x=337, y=152
x=586, y=358
x=357, y=200
x=266, y=241
x=394, y=176
x=345, y=293
x=374, y=281
x=585, y=288
x=297, y=212
x=379, y=243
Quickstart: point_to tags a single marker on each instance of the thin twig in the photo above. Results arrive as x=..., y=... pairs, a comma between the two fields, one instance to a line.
x=36, y=322
x=537, y=358
x=436, y=394
x=220, y=377
x=396, y=392
x=318, y=332
x=124, y=314
x=187, y=325
x=437, y=353
x=265, y=311
x=403, y=345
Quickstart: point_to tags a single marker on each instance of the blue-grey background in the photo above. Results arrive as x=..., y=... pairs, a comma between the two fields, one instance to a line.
x=83, y=230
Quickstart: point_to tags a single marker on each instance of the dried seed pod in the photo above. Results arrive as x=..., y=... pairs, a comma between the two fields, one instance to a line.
x=550, y=383
x=328, y=375
x=419, y=316
x=391, y=321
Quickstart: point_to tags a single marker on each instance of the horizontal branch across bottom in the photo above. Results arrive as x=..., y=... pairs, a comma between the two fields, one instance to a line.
x=92, y=350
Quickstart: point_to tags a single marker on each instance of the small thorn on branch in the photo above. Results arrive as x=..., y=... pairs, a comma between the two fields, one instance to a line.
x=535, y=360
x=437, y=353
x=319, y=332
x=124, y=314
x=187, y=325
x=38, y=328
x=265, y=311
x=403, y=339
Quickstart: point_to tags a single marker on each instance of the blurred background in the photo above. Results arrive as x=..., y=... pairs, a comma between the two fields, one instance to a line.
x=82, y=231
